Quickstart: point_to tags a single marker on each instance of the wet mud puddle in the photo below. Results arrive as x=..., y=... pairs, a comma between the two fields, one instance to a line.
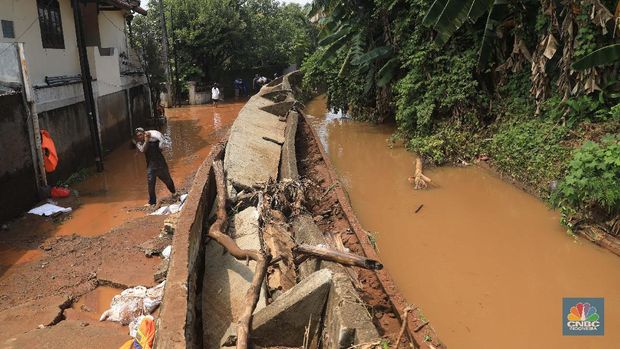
x=488, y=263
x=118, y=194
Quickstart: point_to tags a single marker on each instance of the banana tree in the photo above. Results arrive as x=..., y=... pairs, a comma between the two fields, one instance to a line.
x=348, y=28
x=447, y=16
x=603, y=56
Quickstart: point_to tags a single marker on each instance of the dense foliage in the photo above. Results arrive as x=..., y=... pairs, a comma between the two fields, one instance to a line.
x=208, y=38
x=469, y=78
x=593, y=177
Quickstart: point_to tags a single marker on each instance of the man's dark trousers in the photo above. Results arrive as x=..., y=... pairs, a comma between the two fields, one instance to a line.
x=164, y=175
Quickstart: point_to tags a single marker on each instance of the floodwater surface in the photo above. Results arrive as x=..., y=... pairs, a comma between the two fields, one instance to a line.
x=487, y=263
x=93, y=304
x=108, y=199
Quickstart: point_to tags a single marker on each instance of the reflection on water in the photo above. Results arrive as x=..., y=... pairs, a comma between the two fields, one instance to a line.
x=488, y=264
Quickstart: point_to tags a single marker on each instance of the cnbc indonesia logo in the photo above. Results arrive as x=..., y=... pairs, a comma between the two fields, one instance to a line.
x=583, y=317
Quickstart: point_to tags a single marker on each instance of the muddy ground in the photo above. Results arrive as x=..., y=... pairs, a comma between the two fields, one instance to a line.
x=57, y=275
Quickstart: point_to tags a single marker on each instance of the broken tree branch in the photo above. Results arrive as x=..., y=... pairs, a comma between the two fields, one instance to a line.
x=345, y=258
x=404, y=324
x=217, y=233
x=419, y=180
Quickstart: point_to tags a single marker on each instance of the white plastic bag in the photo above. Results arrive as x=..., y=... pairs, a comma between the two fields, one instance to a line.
x=166, y=252
x=134, y=302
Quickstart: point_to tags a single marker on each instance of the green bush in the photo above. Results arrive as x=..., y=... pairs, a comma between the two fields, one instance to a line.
x=449, y=144
x=438, y=84
x=576, y=110
x=531, y=152
x=593, y=177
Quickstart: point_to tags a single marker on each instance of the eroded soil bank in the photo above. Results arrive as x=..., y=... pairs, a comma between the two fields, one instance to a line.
x=488, y=263
x=98, y=249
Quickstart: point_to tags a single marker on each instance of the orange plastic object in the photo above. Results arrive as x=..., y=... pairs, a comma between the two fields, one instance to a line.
x=50, y=157
x=144, y=336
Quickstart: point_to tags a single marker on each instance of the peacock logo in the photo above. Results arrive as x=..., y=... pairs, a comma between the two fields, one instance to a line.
x=583, y=317
x=583, y=312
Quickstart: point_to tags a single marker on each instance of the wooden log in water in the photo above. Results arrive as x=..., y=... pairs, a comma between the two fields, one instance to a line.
x=333, y=255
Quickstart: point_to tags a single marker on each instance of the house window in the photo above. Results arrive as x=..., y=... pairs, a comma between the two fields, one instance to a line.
x=51, y=25
x=8, y=31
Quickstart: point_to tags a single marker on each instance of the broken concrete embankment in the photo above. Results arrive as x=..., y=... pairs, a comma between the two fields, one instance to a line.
x=304, y=301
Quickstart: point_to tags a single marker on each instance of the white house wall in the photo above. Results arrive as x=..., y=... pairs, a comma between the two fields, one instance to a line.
x=112, y=30
x=42, y=62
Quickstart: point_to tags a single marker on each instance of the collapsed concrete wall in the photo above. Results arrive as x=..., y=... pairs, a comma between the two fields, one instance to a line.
x=180, y=322
x=260, y=148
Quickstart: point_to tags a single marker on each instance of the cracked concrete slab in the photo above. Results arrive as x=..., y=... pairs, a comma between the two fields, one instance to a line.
x=225, y=284
x=250, y=158
x=45, y=311
x=284, y=322
x=246, y=222
x=69, y=334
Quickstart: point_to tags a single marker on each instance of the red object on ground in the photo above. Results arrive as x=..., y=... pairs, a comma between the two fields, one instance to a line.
x=60, y=192
x=50, y=157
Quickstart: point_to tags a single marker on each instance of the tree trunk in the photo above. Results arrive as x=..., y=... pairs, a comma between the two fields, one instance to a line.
x=216, y=232
x=419, y=180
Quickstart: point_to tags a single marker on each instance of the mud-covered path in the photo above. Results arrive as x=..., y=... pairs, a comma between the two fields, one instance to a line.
x=44, y=260
x=488, y=263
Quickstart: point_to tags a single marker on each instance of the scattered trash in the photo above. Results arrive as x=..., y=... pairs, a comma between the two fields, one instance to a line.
x=49, y=210
x=161, y=211
x=174, y=208
x=143, y=332
x=132, y=303
x=166, y=252
x=169, y=227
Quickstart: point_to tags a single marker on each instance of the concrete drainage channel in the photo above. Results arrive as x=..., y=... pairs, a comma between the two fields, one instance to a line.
x=303, y=302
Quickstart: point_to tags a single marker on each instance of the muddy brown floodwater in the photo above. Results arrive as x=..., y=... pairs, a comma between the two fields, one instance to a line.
x=488, y=263
x=117, y=195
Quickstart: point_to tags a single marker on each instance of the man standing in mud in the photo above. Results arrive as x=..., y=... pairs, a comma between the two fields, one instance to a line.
x=150, y=143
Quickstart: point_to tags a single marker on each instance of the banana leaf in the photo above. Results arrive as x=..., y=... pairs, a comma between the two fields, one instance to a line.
x=333, y=48
x=434, y=12
x=372, y=55
x=603, y=56
x=387, y=72
x=335, y=36
x=451, y=19
x=499, y=11
x=447, y=16
x=478, y=8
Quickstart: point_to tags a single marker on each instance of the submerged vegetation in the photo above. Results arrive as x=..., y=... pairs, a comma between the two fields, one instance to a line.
x=532, y=85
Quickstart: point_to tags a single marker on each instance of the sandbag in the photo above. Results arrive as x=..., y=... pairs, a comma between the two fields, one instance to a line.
x=134, y=302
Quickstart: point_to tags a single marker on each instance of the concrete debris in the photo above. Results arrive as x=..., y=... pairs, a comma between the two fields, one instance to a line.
x=162, y=271
x=169, y=227
x=284, y=322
